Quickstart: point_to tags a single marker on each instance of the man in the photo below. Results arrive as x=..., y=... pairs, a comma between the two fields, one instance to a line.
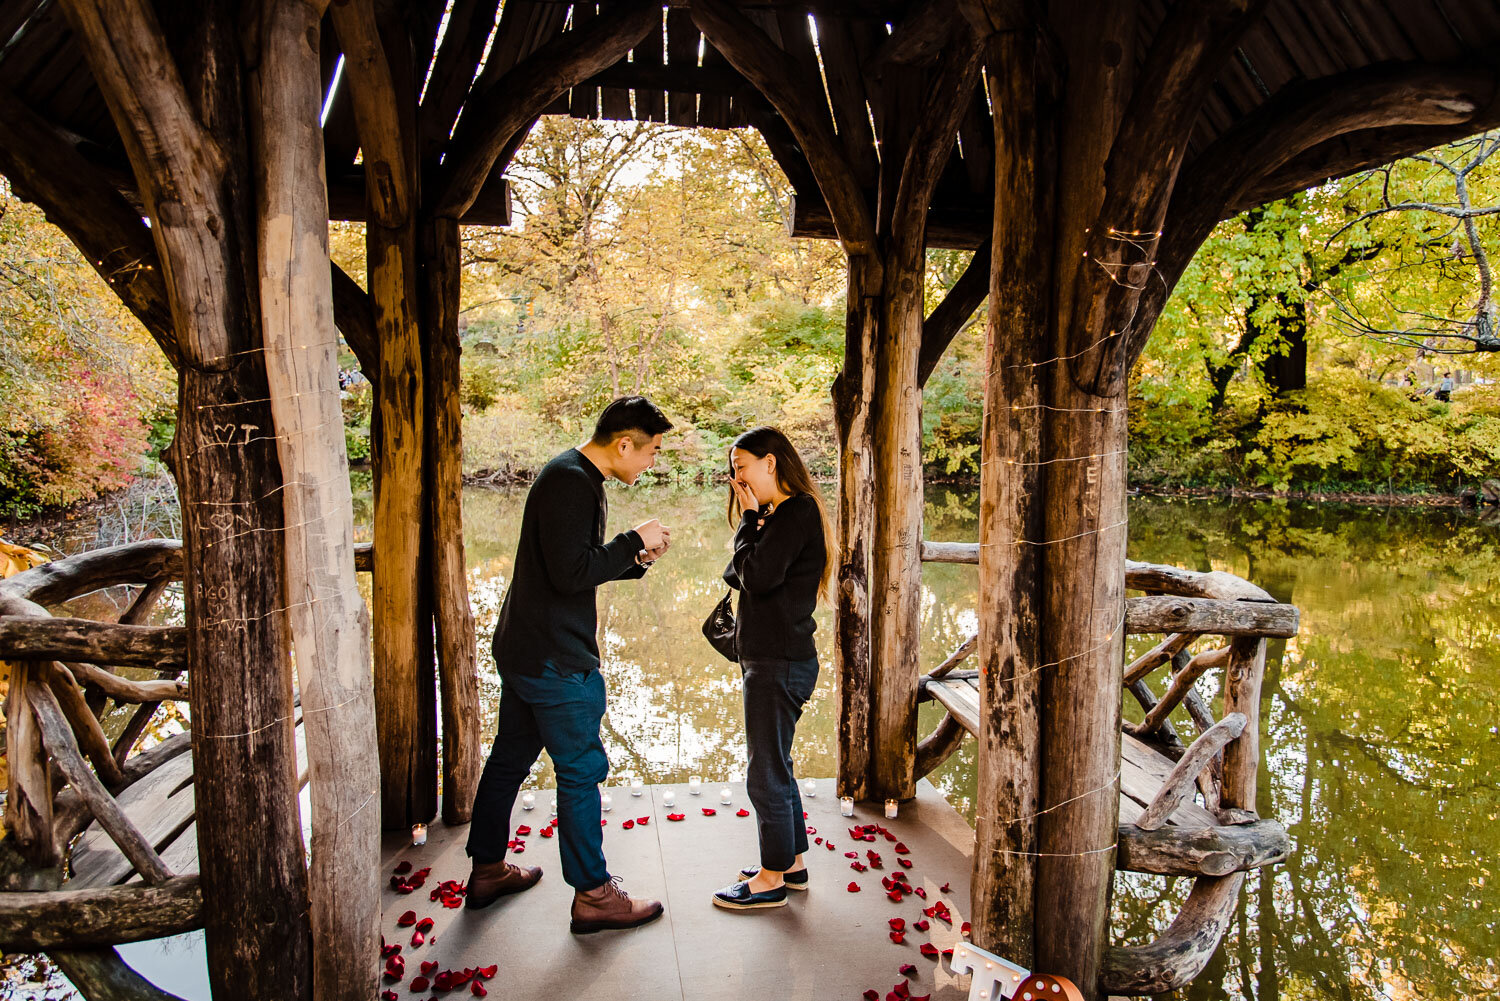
x=1445, y=388
x=552, y=694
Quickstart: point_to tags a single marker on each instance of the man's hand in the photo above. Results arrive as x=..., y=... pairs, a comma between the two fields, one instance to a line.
x=653, y=536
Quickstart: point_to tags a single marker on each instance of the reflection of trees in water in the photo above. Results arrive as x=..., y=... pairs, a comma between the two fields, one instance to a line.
x=1381, y=751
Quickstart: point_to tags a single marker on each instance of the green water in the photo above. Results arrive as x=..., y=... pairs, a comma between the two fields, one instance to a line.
x=1381, y=719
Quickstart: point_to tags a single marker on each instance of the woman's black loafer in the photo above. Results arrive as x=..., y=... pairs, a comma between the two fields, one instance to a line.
x=737, y=897
x=794, y=880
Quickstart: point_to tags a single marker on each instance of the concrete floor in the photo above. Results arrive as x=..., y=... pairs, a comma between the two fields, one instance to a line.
x=827, y=943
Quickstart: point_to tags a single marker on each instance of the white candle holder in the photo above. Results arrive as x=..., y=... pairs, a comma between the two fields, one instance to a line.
x=890, y=809
x=846, y=806
x=419, y=834
x=810, y=788
x=553, y=810
x=695, y=784
x=725, y=796
x=606, y=802
x=637, y=787
x=668, y=798
x=528, y=801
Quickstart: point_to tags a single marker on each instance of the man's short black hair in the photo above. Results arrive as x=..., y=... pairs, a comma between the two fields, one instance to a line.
x=632, y=415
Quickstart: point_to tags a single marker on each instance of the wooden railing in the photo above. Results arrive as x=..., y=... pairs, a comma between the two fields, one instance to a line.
x=1218, y=766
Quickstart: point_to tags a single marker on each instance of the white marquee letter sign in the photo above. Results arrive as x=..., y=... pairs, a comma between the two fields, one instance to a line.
x=994, y=978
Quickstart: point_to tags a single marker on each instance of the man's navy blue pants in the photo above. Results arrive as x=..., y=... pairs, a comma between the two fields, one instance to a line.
x=562, y=713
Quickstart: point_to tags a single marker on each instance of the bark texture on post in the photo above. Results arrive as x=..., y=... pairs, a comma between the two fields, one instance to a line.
x=329, y=622
x=189, y=159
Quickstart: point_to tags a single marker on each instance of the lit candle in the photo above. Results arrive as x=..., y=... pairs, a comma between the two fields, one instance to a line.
x=695, y=784
x=554, y=806
x=809, y=788
x=668, y=797
x=725, y=796
x=637, y=787
x=419, y=834
x=846, y=806
x=606, y=802
x=890, y=809
x=528, y=801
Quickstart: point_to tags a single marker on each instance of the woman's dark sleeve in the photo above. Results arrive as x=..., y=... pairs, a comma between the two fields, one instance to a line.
x=763, y=556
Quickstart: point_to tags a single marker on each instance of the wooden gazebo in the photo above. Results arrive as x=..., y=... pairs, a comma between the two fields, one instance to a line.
x=1083, y=149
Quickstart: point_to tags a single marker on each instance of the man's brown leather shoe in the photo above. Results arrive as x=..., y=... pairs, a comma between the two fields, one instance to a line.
x=607, y=907
x=492, y=880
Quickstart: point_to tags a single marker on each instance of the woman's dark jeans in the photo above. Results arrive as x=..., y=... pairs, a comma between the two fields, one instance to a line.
x=775, y=692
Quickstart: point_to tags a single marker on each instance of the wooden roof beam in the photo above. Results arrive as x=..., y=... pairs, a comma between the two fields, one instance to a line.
x=948, y=227
x=786, y=86
x=453, y=70
x=373, y=91
x=507, y=107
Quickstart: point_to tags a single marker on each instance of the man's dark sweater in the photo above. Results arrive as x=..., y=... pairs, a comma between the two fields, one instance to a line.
x=777, y=568
x=549, y=616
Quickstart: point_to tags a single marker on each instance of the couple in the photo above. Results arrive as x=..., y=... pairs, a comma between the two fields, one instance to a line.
x=552, y=693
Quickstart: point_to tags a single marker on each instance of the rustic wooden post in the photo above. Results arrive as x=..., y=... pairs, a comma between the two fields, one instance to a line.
x=329, y=622
x=190, y=163
x=28, y=799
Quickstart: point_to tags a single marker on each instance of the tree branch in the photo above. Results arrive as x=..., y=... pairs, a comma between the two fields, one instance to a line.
x=776, y=75
x=950, y=315
x=508, y=106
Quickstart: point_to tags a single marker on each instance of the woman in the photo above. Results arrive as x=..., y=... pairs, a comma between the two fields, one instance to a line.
x=781, y=565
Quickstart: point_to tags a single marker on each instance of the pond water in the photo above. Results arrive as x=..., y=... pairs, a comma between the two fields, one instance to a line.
x=1381, y=719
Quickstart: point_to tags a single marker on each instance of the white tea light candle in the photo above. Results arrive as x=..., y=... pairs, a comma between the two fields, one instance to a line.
x=725, y=796
x=846, y=806
x=637, y=787
x=528, y=801
x=809, y=788
x=606, y=802
x=695, y=784
x=419, y=834
x=890, y=809
x=668, y=798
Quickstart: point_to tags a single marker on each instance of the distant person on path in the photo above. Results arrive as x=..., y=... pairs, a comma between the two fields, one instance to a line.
x=1445, y=388
x=552, y=694
x=781, y=564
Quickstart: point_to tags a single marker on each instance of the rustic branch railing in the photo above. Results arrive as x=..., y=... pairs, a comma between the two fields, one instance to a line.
x=62, y=674
x=1220, y=764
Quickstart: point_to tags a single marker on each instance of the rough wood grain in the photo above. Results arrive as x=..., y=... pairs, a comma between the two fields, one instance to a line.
x=1242, y=680
x=1204, y=851
x=939, y=745
x=28, y=800
x=1183, y=949
x=1181, y=782
x=1177, y=690
x=83, y=722
x=67, y=639
x=1171, y=614
x=72, y=919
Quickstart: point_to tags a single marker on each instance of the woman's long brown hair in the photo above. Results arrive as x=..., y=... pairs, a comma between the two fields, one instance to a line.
x=793, y=479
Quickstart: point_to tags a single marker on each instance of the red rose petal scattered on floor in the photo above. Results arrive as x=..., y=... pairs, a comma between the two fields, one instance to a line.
x=388, y=996
x=965, y=929
x=897, y=924
x=487, y=971
x=895, y=896
x=921, y=925
x=812, y=830
x=522, y=831
x=417, y=938
x=387, y=951
x=920, y=891
x=919, y=997
x=418, y=984
x=643, y=821
x=477, y=989
x=407, y=919
x=429, y=967
x=872, y=995
x=425, y=925
x=902, y=990
x=907, y=970
x=929, y=950
x=853, y=887
x=829, y=845
x=402, y=868
x=945, y=888
x=898, y=937
x=742, y=812
x=443, y=981
x=901, y=849
x=905, y=863
x=545, y=832
x=817, y=841
x=602, y=823
x=395, y=967
x=851, y=855
x=888, y=835
x=627, y=825
x=709, y=811
x=948, y=955
x=858, y=866
x=804, y=814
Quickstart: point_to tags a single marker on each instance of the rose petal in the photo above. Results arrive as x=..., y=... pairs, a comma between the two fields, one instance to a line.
x=965, y=929
x=945, y=888
x=948, y=955
x=402, y=868
x=425, y=925
x=417, y=938
x=388, y=996
x=858, y=866
x=907, y=969
x=477, y=989
x=898, y=937
x=387, y=951
x=804, y=814
x=897, y=924
x=872, y=995
x=853, y=887
x=603, y=823
x=429, y=967
x=643, y=821
x=829, y=845
x=811, y=830
x=418, y=984
x=488, y=971
x=742, y=812
x=545, y=832
x=407, y=919
x=905, y=863
x=902, y=990
x=929, y=950
x=921, y=925
x=443, y=981
x=901, y=849
x=919, y=997
x=817, y=841
x=919, y=891
x=709, y=811
x=522, y=831
x=851, y=855
x=676, y=816
x=395, y=967
x=627, y=825
x=895, y=895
